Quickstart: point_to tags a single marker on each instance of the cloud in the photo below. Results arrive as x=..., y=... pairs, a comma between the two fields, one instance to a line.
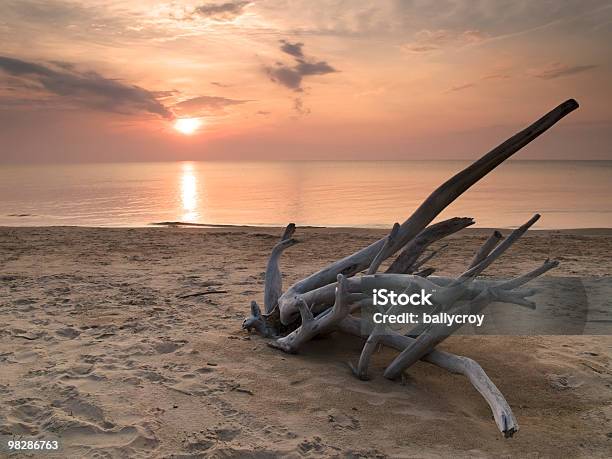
x=89, y=89
x=426, y=41
x=298, y=106
x=291, y=76
x=293, y=49
x=222, y=11
x=206, y=104
x=496, y=76
x=462, y=87
x=558, y=70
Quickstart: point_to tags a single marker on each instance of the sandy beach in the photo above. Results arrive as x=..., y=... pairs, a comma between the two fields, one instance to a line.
x=127, y=343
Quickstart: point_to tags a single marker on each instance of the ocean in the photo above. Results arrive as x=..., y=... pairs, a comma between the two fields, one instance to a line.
x=568, y=194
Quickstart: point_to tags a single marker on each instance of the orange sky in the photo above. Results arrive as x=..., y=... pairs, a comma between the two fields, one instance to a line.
x=106, y=80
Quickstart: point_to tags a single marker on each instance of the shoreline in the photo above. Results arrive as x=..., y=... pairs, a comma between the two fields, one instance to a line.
x=213, y=226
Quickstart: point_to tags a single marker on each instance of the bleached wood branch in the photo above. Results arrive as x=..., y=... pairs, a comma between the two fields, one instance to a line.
x=421, y=261
x=499, y=250
x=522, y=280
x=486, y=248
x=413, y=250
x=312, y=326
x=268, y=324
x=256, y=321
x=361, y=371
x=382, y=255
x=273, y=288
x=426, y=272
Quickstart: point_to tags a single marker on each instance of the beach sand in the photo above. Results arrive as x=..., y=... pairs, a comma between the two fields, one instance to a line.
x=102, y=346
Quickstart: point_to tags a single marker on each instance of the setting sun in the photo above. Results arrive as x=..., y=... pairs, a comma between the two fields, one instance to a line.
x=187, y=126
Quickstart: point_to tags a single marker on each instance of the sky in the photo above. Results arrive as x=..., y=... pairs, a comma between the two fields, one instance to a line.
x=97, y=81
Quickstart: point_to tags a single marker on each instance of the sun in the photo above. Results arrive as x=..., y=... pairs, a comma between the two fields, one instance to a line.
x=187, y=126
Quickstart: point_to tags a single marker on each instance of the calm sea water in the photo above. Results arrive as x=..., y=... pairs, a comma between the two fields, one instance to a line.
x=568, y=194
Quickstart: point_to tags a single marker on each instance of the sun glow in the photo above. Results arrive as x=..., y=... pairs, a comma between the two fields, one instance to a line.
x=187, y=126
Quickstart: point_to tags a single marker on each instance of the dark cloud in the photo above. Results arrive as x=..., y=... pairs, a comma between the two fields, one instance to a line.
x=559, y=70
x=47, y=11
x=313, y=68
x=222, y=11
x=286, y=76
x=219, y=84
x=293, y=49
x=207, y=103
x=291, y=76
x=89, y=89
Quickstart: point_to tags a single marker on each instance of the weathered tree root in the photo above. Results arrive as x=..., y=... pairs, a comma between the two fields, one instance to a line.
x=323, y=302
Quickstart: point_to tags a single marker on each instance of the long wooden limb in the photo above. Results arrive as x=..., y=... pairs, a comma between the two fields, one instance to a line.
x=405, y=261
x=382, y=255
x=427, y=211
x=486, y=248
x=256, y=321
x=312, y=326
x=502, y=413
x=421, y=261
x=273, y=288
x=268, y=323
x=522, y=280
x=426, y=272
x=361, y=371
x=498, y=251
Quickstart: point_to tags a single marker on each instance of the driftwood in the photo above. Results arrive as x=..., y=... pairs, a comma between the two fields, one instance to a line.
x=323, y=302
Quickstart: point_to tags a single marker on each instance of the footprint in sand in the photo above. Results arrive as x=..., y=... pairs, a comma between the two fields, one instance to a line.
x=563, y=382
x=69, y=333
x=167, y=347
x=77, y=420
x=341, y=421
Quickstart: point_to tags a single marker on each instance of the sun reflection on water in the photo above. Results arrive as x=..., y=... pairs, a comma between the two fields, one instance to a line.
x=189, y=193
